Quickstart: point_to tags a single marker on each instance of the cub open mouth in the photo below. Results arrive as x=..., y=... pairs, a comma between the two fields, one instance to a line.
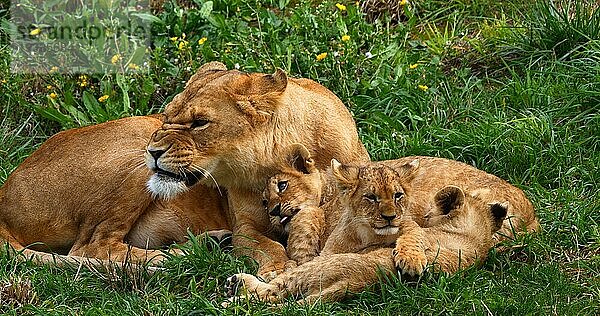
x=190, y=178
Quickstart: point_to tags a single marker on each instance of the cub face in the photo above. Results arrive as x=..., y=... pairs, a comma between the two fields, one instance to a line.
x=374, y=195
x=296, y=187
x=205, y=126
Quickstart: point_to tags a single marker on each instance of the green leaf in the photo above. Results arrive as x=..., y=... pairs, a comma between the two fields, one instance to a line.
x=206, y=9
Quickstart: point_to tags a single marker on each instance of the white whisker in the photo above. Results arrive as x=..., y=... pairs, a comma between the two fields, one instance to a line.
x=209, y=175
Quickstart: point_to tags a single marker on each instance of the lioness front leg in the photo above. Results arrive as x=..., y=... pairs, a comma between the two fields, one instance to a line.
x=409, y=253
x=250, y=234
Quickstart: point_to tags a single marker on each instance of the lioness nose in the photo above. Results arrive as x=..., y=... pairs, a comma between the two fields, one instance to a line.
x=388, y=217
x=156, y=153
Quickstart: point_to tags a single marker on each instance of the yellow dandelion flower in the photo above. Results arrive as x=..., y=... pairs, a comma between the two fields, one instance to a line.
x=53, y=95
x=321, y=56
x=115, y=58
x=340, y=6
x=182, y=45
x=35, y=32
x=53, y=69
x=413, y=66
x=49, y=87
x=202, y=40
x=345, y=38
x=174, y=38
x=133, y=66
x=3, y=81
x=103, y=98
x=423, y=87
x=403, y=2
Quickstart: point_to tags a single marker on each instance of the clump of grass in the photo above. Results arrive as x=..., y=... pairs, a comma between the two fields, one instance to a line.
x=555, y=31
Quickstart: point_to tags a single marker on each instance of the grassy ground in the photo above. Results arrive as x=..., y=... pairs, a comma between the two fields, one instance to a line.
x=511, y=88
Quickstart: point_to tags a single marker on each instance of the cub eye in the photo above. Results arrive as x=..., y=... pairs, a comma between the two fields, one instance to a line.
x=398, y=196
x=371, y=197
x=199, y=123
x=281, y=186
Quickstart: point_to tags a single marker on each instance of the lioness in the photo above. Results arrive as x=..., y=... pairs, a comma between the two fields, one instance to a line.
x=372, y=200
x=229, y=126
x=84, y=193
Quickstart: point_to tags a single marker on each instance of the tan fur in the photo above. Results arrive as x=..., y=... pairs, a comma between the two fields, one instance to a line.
x=83, y=193
x=436, y=173
x=462, y=237
x=458, y=239
x=229, y=126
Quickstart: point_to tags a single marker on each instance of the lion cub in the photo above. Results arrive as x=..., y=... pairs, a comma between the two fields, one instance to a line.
x=372, y=200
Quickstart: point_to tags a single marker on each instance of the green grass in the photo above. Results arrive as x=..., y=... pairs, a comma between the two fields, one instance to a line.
x=512, y=88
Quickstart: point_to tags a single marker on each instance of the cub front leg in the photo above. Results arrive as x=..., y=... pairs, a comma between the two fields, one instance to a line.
x=304, y=240
x=409, y=254
x=243, y=284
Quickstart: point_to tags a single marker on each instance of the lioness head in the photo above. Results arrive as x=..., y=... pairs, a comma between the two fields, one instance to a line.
x=375, y=194
x=296, y=186
x=207, y=126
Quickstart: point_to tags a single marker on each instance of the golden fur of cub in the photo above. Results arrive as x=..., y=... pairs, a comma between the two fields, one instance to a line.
x=304, y=198
x=372, y=200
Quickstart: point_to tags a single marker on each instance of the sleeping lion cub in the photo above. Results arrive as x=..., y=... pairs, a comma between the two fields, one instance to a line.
x=372, y=200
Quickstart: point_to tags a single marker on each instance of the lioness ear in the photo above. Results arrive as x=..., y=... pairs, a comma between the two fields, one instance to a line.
x=499, y=212
x=299, y=158
x=261, y=99
x=449, y=199
x=346, y=176
x=275, y=83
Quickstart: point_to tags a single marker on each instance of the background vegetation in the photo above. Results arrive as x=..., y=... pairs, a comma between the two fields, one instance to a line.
x=511, y=87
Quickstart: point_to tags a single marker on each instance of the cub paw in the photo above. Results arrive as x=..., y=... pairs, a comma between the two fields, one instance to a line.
x=409, y=261
x=233, y=285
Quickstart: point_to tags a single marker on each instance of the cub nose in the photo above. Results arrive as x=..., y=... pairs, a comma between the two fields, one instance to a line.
x=156, y=153
x=388, y=217
x=276, y=211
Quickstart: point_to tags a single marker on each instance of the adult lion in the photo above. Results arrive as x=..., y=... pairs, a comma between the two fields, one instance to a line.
x=83, y=193
x=229, y=126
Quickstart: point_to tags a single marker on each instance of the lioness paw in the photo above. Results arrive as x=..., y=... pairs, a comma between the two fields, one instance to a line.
x=411, y=261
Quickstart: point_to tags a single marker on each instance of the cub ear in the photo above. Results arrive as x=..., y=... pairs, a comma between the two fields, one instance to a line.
x=449, y=198
x=407, y=171
x=346, y=176
x=299, y=158
x=261, y=99
x=499, y=212
x=205, y=69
